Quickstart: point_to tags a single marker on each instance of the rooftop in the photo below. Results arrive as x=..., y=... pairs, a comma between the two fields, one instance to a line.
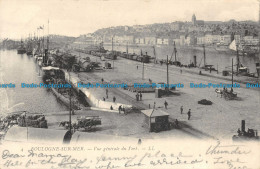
x=154, y=113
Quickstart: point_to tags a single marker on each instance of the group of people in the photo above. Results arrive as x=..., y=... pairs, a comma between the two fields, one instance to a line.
x=114, y=99
x=104, y=99
x=120, y=108
x=138, y=96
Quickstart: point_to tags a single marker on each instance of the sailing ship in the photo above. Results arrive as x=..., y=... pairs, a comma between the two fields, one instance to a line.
x=206, y=66
x=240, y=68
x=244, y=49
x=21, y=49
x=175, y=62
x=29, y=46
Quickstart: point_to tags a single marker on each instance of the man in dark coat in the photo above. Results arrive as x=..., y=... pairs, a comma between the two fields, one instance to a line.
x=189, y=114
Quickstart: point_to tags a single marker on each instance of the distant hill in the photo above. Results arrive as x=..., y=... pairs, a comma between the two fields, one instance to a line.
x=59, y=41
x=175, y=28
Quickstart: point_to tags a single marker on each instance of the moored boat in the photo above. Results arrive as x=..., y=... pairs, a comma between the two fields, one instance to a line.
x=21, y=49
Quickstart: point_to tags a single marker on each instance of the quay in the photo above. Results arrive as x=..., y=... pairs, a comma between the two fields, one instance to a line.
x=203, y=117
x=202, y=123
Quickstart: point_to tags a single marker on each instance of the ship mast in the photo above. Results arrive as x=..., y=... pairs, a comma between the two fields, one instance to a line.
x=127, y=48
x=237, y=60
x=154, y=53
x=204, y=54
x=175, y=51
x=43, y=47
x=112, y=45
x=259, y=32
x=167, y=71
x=48, y=37
x=46, y=52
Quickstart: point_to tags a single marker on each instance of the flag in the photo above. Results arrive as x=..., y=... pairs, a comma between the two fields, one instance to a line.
x=41, y=27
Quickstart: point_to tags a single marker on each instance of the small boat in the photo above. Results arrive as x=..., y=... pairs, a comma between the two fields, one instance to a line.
x=243, y=135
x=64, y=97
x=50, y=75
x=243, y=70
x=21, y=51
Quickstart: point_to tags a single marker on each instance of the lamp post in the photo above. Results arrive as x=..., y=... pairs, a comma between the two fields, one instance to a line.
x=70, y=106
x=71, y=109
x=143, y=65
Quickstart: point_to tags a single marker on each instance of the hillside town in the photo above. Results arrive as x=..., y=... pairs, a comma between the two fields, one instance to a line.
x=191, y=33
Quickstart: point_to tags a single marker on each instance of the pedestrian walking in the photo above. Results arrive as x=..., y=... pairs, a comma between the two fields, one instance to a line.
x=154, y=105
x=102, y=80
x=114, y=99
x=119, y=109
x=181, y=109
x=137, y=67
x=137, y=97
x=139, y=141
x=189, y=114
x=141, y=96
x=111, y=107
x=165, y=104
x=123, y=109
x=104, y=99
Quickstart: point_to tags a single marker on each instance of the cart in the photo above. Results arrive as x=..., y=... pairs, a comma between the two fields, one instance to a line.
x=86, y=122
x=229, y=95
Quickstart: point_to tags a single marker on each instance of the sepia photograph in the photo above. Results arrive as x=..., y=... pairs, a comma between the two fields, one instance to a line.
x=107, y=84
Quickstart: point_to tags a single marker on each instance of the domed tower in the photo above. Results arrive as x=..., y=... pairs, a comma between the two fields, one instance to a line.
x=193, y=19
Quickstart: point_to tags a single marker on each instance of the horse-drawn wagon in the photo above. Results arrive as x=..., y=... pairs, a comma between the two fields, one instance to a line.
x=228, y=95
x=83, y=122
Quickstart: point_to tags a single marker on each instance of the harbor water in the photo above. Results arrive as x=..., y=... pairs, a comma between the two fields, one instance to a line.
x=20, y=68
x=221, y=60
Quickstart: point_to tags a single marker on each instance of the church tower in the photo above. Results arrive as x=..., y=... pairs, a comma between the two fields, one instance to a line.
x=193, y=19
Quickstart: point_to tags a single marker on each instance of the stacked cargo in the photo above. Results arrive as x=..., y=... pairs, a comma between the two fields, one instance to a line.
x=23, y=119
x=37, y=121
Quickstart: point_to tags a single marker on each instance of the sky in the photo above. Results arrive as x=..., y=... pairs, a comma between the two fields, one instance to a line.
x=19, y=18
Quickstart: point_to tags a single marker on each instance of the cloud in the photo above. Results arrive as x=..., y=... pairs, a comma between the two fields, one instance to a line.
x=74, y=17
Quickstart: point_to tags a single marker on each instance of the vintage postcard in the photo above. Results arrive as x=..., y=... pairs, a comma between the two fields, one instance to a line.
x=138, y=84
